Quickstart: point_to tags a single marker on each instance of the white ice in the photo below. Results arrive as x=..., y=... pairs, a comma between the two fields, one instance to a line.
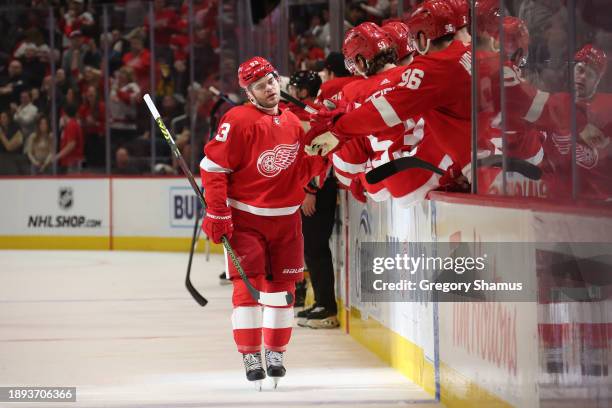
x=121, y=327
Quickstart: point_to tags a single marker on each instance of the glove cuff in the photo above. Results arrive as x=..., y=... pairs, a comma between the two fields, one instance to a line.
x=223, y=214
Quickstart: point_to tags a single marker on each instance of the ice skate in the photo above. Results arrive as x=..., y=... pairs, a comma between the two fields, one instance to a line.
x=254, y=369
x=274, y=365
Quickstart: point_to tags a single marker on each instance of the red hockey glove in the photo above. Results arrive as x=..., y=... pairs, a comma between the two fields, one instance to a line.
x=325, y=118
x=453, y=180
x=217, y=224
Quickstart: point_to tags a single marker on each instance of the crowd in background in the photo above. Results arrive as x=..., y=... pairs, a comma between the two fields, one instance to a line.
x=37, y=135
x=82, y=115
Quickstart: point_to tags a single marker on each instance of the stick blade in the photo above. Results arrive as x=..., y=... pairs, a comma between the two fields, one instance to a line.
x=279, y=299
x=195, y=294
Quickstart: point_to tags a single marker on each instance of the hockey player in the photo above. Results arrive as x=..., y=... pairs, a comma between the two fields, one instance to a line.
x=593, y=155
x=400, y=36
x=523, y=140
x=461, y=9
x=334, y=75
x=304, y=86
x=435, y=86
x=362, y=47
x=253, y=174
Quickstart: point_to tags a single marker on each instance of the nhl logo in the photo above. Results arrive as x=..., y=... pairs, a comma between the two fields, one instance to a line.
x=276, y=120
x=65, y=200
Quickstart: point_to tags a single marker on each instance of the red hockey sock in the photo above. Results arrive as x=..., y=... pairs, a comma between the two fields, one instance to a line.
x=277, y=321
x=246, y=322
x=247, y=316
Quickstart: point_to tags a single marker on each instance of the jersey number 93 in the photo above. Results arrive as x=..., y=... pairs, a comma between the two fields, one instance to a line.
x=223, y=132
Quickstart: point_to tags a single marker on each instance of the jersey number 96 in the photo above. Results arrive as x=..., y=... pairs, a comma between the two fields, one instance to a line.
x=411, y=78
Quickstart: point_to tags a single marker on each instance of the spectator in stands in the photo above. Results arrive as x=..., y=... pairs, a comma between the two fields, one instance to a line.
x=169, y=109
x=124, y=99
x=116, y=46
x=355, y=14
x=165, y=82
x=91, y=77
x=71, y=98
x=12, y=159
x=33, y=68
x=92, y=56
x=12, y=85
x=91, y=115
x=25, y=113
x=61, y=83
x=379, y=11
x=72, y=61
x=139, y=60
x=70, y=156
x=76, y=19
x=166, y=21
x=11, y=137
x=39, y=147
x=124, y=163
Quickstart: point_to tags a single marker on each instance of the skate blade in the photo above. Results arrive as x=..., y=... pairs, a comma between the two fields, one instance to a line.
x=257, y=384
x=275, y=381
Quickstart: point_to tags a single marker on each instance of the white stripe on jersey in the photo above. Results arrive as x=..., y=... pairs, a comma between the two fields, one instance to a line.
x=275, y=212
x=344, y=180
x=346, y=167
x=210, y=166
x=386, y=111
x=537, y=106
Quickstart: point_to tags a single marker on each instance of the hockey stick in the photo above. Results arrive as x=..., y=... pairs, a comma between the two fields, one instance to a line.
x=298, y=103
x=380, y=173
x=268, y=299
x=194, y=244
x=196, y=232
x=218, y=93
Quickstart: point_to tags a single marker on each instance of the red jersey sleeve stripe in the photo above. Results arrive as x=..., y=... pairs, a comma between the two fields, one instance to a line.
x=386, y=111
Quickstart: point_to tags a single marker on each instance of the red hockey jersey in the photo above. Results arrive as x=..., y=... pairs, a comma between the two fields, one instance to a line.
x=435, y=86
x=594, y=165
x=330, y=90
x=364, y=153
x=256, y=163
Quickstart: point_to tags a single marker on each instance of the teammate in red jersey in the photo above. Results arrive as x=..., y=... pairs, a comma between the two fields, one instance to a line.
x=362, y=153
x=461, y=9
x=334, y=76
x=523, y=139
x=436, y=86
x=253, y=175
x=593, y=155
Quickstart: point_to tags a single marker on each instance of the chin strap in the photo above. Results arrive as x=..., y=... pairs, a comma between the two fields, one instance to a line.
x=426, y=50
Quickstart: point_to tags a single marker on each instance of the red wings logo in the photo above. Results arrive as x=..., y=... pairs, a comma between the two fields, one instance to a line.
x=586, y=157
x=271, y=162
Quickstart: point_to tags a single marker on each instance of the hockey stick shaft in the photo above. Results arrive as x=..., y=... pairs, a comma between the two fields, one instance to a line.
x=218, y=93
x=272, y=299
x=194, y=244
x=297, y=102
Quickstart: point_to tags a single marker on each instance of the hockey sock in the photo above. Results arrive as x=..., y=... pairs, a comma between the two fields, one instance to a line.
x=277, y=321
x=246, y=317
